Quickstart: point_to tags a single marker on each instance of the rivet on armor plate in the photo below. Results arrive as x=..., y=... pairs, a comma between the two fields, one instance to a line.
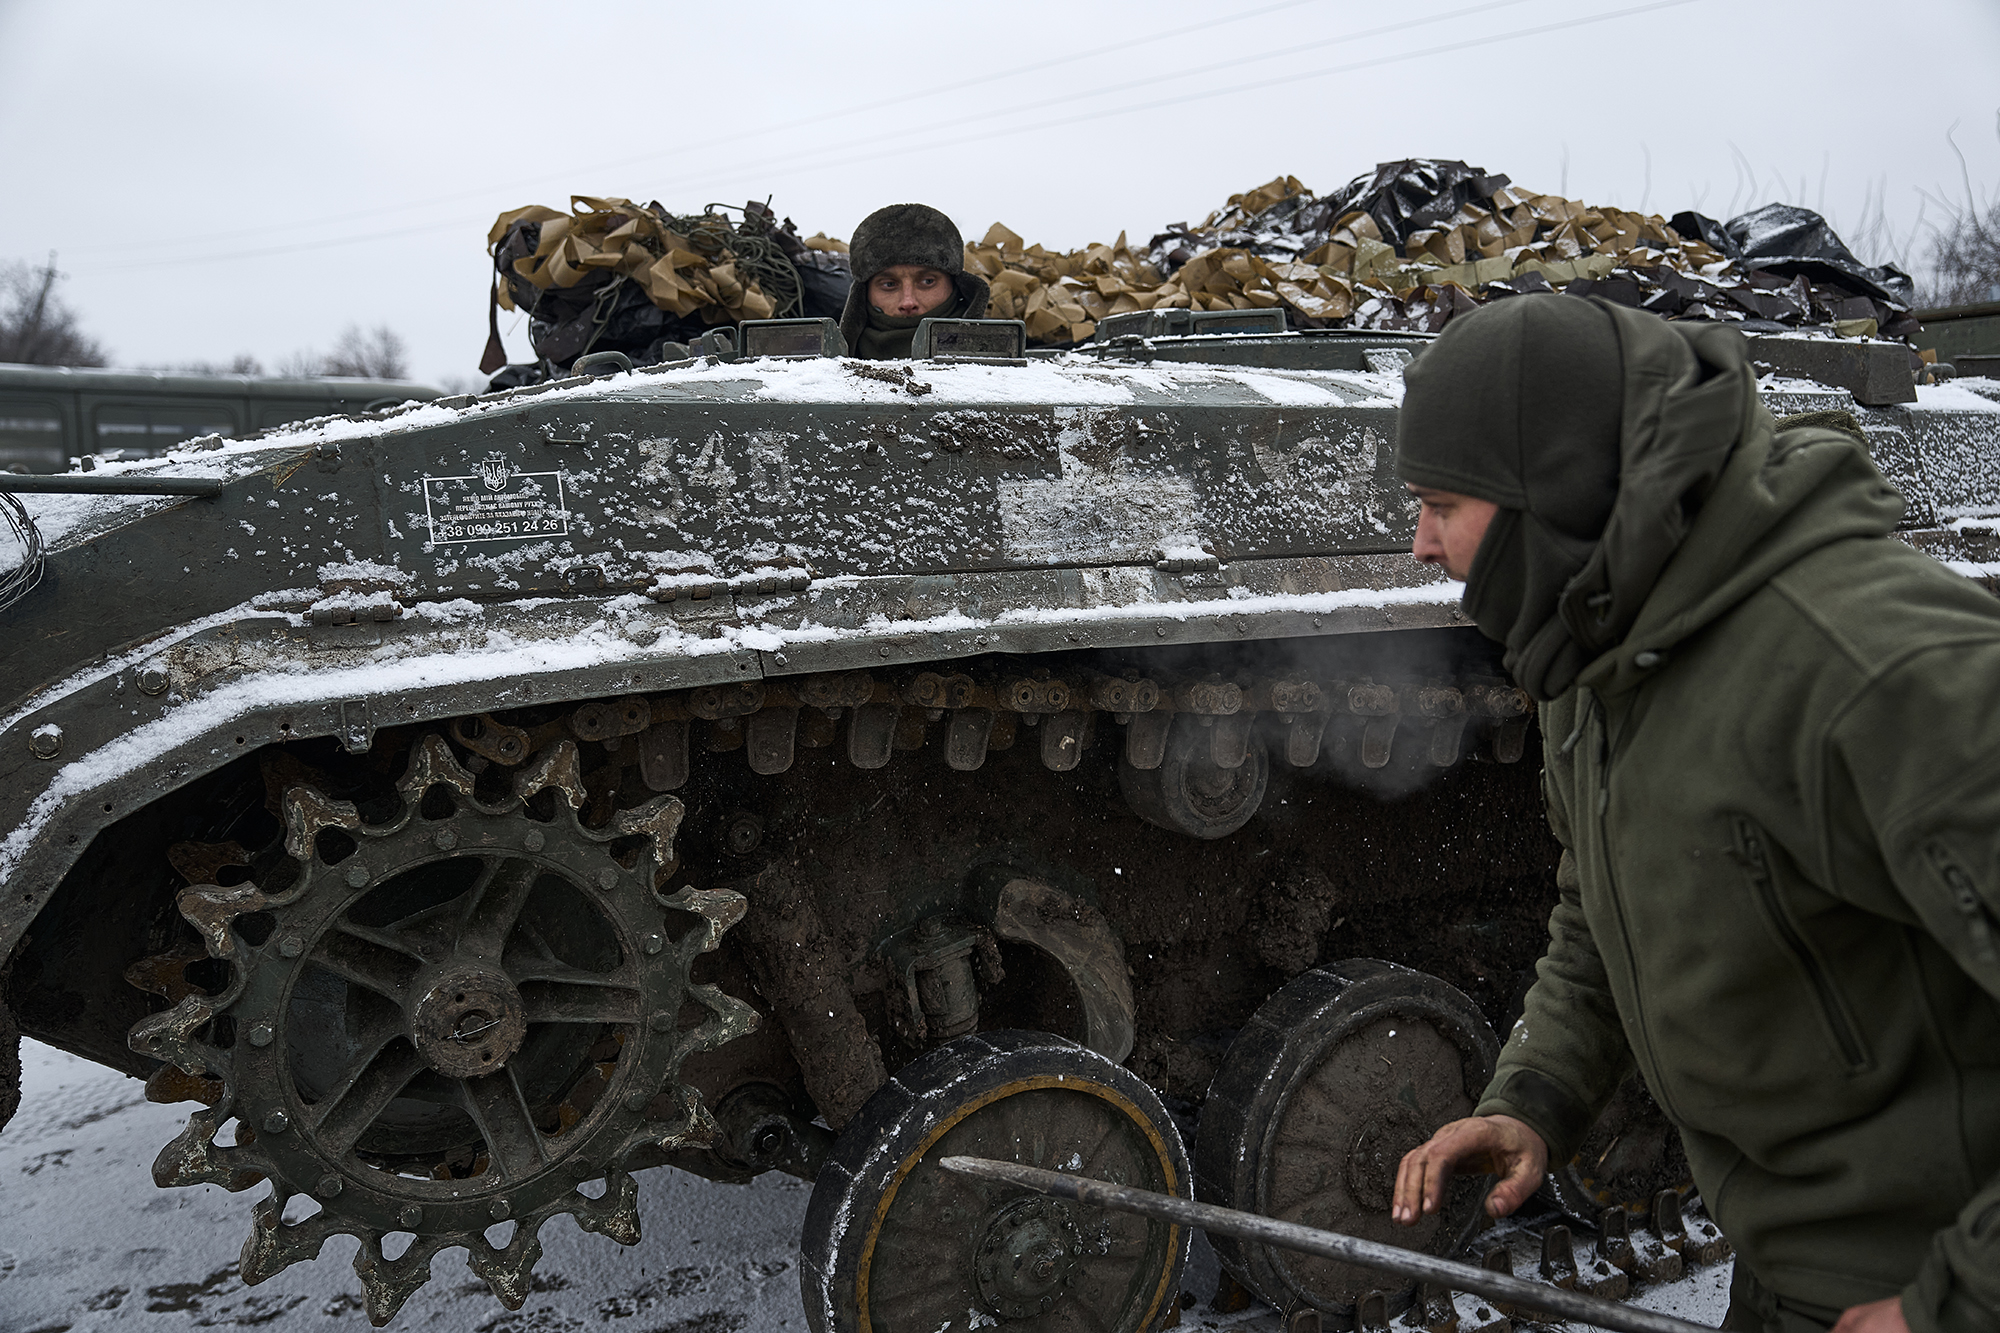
x=277, y=1122
x=444, y=839
x=499, y=1211
x=654, y=943
x=261, y=1034
x=661, y=1022
x=411, y=1215
x=535, y=841
x=152, y=680
x=607, y=878
x=357, y=875
x=636, y=1101
x=291, y=946
x=328, y=1187
x=46, y=742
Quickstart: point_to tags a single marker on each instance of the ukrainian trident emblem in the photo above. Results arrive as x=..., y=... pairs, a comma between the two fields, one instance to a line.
x=494, y=470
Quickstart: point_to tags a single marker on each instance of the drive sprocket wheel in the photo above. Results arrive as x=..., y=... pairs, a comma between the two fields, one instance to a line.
x=454, y=1019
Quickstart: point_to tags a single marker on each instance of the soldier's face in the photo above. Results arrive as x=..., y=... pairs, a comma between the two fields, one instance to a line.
x=908, y=290
x=1450, y=527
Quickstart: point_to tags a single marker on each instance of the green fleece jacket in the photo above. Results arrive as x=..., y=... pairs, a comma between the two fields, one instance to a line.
x=1780, y=799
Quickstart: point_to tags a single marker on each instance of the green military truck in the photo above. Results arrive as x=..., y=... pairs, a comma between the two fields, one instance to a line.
x=52, y=414
x=1966, y=337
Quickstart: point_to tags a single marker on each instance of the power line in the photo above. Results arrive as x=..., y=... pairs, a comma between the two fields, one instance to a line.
x=1290, y=49
x=819, y=118
x=789, y=157
x=1374, y=62
x=1232, y=63
x=819, y=162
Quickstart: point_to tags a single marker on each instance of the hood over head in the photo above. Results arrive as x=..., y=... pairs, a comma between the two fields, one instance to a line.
x=1599, y=431
x=908, y=234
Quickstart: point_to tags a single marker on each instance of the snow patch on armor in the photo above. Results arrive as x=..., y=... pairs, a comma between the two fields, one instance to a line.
x=1287, y=390
x=1102, y=508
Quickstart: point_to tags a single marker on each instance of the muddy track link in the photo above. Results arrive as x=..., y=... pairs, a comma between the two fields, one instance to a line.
x=1361, y=721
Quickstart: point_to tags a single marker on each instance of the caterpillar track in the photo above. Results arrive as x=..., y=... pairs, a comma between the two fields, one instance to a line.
x=985, y=709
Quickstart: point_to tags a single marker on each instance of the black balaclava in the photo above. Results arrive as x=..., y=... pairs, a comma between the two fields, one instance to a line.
x=1596, y=429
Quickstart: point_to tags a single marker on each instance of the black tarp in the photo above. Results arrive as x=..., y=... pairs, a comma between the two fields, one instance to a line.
x=1791, y=241
x=1405, y=197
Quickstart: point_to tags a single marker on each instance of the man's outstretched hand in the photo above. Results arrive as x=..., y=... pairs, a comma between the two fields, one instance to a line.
x=1494, y=1145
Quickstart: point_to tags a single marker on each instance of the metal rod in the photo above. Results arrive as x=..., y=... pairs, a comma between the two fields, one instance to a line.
x=1330, y=1245
x=73, y=483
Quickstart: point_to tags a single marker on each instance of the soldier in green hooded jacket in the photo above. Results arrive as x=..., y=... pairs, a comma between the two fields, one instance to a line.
x=909, y=266
x=1773, y=759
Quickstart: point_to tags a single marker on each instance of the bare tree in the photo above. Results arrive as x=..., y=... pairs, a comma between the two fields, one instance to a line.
x=1965, y=260
x=378, y=354
x=36, y=326
x=304, y=364
x=1965, y=251
x=241, y=364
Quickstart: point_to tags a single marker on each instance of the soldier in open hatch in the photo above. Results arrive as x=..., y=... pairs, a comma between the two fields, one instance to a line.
x=909, y=265
x=1774, y=763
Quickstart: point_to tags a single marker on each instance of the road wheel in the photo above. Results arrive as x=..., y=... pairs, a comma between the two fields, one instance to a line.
x=1189, y=792
x=1335, y=1078
x=893, y=1242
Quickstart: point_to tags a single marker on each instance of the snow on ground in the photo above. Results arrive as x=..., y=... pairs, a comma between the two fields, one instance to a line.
x=87, y=1243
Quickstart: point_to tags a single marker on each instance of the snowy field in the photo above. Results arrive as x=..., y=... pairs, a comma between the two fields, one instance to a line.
x=88, y=1243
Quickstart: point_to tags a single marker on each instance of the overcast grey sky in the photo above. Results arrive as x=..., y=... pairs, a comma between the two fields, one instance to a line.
x=225, y=178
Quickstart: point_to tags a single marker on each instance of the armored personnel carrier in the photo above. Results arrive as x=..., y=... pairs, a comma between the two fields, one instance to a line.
x=776, y=761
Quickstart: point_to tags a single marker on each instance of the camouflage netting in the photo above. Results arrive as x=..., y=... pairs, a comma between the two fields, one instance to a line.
x=1408, y=246
x=1062, y=296
x=612, y=275
x=1420, y=241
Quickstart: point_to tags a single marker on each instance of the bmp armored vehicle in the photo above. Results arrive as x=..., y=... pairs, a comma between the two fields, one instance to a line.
x=776, y=761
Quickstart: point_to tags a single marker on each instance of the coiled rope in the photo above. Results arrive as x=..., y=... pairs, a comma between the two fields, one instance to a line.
x=712, y=233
